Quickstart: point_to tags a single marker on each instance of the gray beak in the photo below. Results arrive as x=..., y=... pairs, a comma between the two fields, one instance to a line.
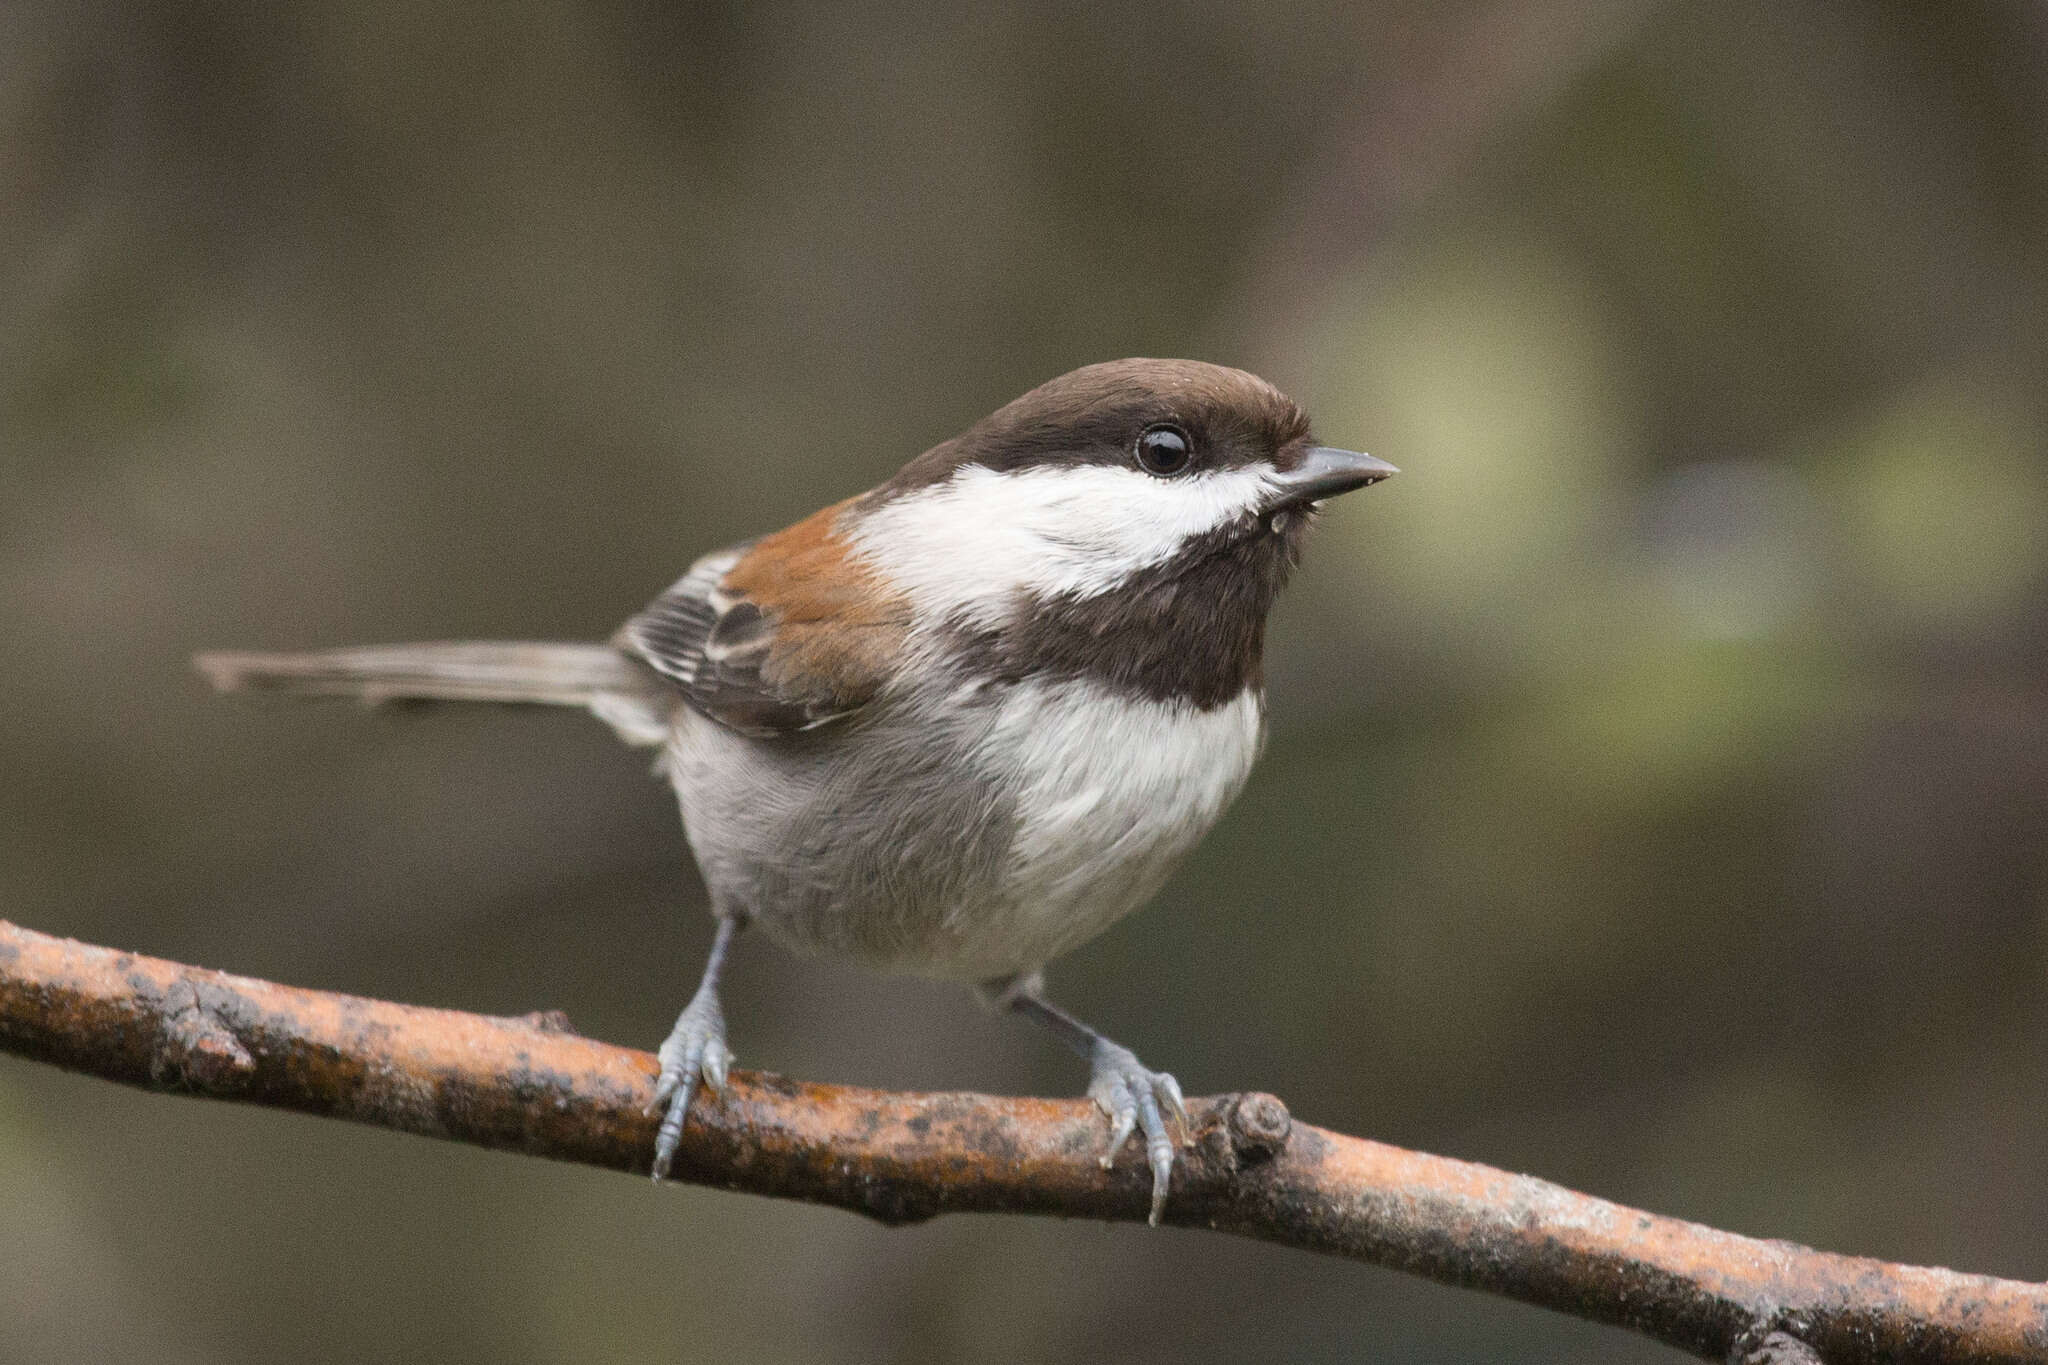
x=1324, y=472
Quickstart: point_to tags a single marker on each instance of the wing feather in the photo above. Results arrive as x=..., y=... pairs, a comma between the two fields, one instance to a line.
x=777, y=636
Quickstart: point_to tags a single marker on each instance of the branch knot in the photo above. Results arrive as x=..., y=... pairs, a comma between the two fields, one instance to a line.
x=1259, y=1125
x=195, y=1048
x=1769, y=1343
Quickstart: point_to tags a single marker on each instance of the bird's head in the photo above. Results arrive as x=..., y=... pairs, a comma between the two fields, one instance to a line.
x=1119, y=481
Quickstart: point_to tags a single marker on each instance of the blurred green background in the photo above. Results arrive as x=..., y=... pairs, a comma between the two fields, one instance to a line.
x=1658, y=791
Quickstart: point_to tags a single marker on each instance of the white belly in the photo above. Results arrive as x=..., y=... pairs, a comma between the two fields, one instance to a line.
x=1111, y=792
x=980, y=837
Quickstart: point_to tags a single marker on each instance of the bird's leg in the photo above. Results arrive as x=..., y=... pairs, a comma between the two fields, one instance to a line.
x=695, y=1049
x=1132, y=1096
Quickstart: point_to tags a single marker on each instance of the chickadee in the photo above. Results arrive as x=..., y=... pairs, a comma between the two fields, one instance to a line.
x=963, y=722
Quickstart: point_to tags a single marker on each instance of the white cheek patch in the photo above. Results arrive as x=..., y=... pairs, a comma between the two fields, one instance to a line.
x=967, y=547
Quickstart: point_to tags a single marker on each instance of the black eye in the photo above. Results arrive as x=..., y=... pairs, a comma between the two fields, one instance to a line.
x=1163, y=450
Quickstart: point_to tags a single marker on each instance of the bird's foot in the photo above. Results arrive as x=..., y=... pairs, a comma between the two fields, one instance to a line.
x=695, y=1050
x=1135, y=1098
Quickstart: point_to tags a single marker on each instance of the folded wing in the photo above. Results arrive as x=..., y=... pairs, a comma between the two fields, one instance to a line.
x=777, y=636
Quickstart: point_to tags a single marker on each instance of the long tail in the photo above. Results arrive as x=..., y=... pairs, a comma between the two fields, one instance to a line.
x=620, y=691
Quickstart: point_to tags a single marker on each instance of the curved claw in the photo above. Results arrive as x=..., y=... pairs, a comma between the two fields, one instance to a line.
x=1135, y=1098
x=694, y=1051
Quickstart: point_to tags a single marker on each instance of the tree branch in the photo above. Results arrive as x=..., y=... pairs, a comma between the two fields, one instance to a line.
x=530, y=1085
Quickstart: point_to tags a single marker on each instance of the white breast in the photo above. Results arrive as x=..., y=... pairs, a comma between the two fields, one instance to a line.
x=1111, y=792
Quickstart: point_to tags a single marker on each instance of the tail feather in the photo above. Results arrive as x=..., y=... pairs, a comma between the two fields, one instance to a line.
x=624, y=693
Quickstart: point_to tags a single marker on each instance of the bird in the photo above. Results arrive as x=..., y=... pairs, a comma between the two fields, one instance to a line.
x=959, y=724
